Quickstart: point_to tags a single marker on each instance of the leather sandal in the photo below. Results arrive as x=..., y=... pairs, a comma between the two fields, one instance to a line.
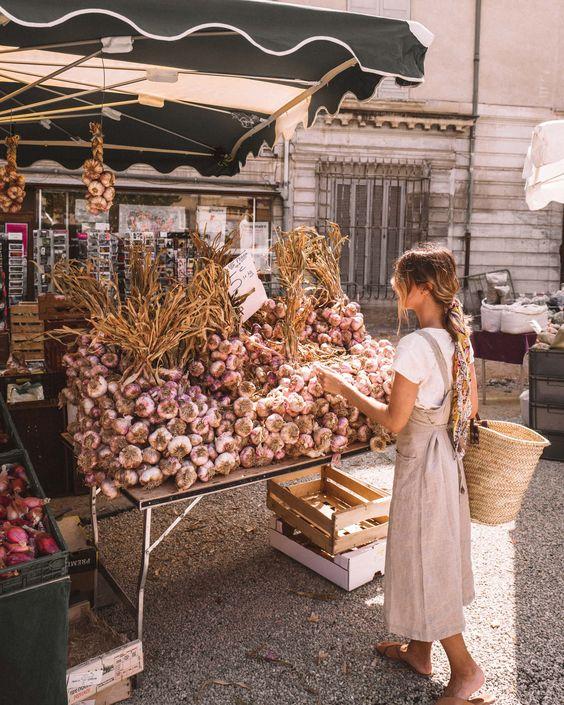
x=485, y=699
x=393, y=651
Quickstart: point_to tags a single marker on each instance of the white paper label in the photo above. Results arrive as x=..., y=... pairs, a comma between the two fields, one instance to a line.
x=244, y=278
x=85, y=679
x=101, y=226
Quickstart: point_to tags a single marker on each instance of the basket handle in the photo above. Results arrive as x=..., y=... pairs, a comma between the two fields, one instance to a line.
x=474, y=423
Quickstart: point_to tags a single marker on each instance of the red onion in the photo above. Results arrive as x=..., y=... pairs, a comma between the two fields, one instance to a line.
x=248, y=457
x=130, y=457
x=18, y=558
x=177, y=427
x=17, y=535
x=199, y=455
x=122, y=425
x=46, y=545
x=151, y=456
x=109, y=489
x=160, y=438
x=243, y=426
x=169, y=466
x=185, y=477
x=188, y=411
x=144, y=406
x=179, y=446
x=167, y=409
x=151, y=477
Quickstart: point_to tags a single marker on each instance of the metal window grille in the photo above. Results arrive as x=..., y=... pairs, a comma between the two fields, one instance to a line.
x=382, y=208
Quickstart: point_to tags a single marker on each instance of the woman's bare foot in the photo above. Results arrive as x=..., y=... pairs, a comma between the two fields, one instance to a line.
x=413, y=655
x=463, y=684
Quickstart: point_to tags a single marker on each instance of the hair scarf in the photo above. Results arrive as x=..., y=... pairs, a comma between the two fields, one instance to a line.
x=461, y=402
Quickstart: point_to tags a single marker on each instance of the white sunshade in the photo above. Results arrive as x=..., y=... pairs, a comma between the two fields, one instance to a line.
x=544, y=165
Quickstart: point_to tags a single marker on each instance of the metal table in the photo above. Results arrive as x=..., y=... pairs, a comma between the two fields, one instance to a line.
x=166, y=494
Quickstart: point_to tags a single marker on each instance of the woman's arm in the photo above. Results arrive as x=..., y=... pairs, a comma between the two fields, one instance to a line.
x=392, y=416
x=474, y=390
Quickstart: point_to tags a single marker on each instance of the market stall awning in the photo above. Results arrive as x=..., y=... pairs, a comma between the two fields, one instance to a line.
x=544, y=166
x=200, y=83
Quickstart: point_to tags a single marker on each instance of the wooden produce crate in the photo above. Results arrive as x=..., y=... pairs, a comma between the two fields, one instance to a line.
x=348, y=570
x=55, y=307
x=334, y=511
x=26, y=330
x=105, y=676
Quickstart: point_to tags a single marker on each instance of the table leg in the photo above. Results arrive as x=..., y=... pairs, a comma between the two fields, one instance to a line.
x=144, y=569
x=484, y=381
x=95, y=536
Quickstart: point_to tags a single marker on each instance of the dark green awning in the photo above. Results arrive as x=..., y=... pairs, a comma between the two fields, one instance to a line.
x=200, y=83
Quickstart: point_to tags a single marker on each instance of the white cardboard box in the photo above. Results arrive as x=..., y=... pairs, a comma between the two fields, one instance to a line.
x=347, y=570
x=87, y=679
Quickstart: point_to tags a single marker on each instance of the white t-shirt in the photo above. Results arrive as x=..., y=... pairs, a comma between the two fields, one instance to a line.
x=415, y=360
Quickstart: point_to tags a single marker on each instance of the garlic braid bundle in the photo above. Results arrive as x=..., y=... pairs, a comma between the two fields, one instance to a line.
x=99, y=181
x=12, y=184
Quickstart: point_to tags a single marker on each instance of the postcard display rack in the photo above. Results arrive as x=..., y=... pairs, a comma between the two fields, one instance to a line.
x=102, y=250
x=17, y=268
x=49, y=247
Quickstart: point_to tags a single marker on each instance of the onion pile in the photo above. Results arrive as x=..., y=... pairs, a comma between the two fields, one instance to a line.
x=241, y=404
x=98, y=180
x=22, y=530
x=12, y=183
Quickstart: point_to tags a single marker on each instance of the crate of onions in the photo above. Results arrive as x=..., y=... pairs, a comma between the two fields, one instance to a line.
x=32, y=550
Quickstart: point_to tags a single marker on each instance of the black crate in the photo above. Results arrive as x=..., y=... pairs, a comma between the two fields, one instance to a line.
x=546, y=390
x=555, y=451
x=43, y=569
x=14, y=441
x=547, y=417
x=546, y=363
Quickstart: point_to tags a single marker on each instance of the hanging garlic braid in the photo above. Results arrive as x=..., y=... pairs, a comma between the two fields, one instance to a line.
x=435, y=265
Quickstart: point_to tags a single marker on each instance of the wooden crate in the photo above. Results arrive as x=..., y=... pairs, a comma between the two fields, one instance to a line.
x=334, y=511
x=55, y=307
x=26, y=330
x=348, y=570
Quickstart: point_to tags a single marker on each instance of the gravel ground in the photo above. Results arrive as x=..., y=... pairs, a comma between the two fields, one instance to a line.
x=227, y=620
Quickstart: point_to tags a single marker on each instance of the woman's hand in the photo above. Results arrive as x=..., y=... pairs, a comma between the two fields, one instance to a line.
x=330, y=380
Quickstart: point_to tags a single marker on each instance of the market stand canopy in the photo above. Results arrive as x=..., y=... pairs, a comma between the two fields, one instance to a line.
x=544, y=166
x=200, y=83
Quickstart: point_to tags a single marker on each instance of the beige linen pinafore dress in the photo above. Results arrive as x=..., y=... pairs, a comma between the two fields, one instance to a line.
x=428, y=575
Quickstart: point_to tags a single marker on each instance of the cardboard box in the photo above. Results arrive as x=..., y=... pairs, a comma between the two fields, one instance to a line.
x=95, y=679
x=83, y=560
x=348, y=570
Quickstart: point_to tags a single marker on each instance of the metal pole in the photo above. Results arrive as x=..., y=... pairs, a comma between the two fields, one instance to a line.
x=472, y=140
x=144, y=569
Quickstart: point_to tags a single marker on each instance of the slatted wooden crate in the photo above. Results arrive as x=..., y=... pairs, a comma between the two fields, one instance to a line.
x=25, y=330
x=55, y=307
x=335, y=511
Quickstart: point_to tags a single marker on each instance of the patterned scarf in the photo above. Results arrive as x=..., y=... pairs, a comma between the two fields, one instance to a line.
x=461, y=403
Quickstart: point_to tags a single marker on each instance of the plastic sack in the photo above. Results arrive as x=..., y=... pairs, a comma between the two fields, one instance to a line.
x=494, y=280
x=517, y=318
x=491, y=316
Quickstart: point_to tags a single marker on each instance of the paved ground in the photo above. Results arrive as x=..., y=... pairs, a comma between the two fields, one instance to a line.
x=230, y=621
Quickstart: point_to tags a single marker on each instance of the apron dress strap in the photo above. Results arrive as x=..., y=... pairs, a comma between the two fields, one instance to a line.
x=440, y=358
x=444, y=373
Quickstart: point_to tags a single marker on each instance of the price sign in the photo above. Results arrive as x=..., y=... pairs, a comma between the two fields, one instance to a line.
x=244, y=279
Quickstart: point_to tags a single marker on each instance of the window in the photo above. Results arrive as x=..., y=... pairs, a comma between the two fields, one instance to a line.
x=382, y=208
x=395, y=9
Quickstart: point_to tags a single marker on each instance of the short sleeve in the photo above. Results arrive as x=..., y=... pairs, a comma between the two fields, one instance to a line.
x=410, y=360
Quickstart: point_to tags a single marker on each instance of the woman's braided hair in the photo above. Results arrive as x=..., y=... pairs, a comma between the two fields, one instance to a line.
x=435, y=266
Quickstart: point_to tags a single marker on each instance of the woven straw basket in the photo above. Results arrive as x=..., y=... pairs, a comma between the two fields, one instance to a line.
x=499, y=464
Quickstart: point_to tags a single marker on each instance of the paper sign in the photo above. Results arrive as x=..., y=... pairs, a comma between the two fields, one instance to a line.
x=254, y=236
x=211, y=221
x=244, y=278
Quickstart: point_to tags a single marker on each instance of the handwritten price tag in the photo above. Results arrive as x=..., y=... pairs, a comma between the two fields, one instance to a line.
x=244, y=279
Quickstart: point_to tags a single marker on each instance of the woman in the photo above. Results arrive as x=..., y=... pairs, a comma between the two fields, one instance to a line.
x=428, y=576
